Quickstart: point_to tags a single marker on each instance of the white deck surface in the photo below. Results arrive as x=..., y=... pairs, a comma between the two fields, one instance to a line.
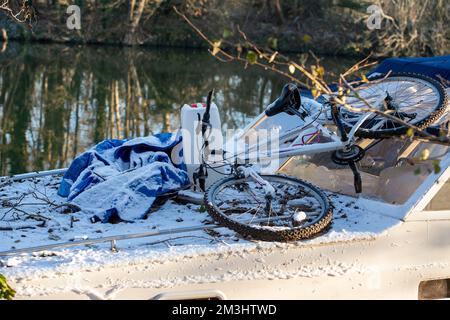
x=354, y=219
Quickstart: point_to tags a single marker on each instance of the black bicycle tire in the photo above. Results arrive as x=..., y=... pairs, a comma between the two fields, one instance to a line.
x=292, y=234
x=423, y=124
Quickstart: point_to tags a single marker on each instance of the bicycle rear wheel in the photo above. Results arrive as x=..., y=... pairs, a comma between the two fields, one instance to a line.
x=299, y=210
x=413, y=98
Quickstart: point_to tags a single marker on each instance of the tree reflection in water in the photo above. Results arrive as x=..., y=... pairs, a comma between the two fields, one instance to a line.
x=56, y=101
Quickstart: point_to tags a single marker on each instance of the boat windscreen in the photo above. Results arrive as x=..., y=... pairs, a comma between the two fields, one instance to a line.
x=391, y=170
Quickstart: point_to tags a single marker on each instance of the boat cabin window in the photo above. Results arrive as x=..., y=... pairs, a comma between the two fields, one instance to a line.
x=440, y=201
x=391, y=170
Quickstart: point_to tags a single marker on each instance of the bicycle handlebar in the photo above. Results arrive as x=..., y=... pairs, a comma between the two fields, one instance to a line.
x=206, y=115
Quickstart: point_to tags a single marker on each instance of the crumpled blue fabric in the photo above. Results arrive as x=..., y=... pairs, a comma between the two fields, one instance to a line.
x=434, y=67
x=122, y=178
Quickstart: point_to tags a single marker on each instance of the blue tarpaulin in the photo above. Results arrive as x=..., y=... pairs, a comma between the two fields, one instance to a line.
x=122, y=178
x=432, y=67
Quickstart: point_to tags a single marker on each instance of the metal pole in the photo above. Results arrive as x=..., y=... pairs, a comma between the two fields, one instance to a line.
x=114, y=246
x=113, y=239
x=35, y=174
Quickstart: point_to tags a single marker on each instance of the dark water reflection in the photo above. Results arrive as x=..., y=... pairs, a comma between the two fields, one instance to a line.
x=56, y=101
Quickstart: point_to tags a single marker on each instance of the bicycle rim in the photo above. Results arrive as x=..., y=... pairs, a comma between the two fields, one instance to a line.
x=416, y=96
x=299, y=210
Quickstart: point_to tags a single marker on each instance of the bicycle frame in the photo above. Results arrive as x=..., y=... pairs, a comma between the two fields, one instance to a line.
x=336, y=142
x=238, y=162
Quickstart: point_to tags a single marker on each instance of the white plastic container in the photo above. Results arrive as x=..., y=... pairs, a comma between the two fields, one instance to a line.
x=191, y=130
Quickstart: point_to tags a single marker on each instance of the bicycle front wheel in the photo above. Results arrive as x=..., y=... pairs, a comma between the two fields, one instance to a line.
x=299, y=210
x=412, y=98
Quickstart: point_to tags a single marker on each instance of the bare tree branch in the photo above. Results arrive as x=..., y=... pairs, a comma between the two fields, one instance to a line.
x=229, y=57
x=21, y=11
x=272, y=60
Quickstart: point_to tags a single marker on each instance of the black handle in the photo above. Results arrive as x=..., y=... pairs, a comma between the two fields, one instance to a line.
x=357, y=177
x=206, y=115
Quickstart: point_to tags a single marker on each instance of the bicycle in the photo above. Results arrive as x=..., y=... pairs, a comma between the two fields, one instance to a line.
x=281, y=208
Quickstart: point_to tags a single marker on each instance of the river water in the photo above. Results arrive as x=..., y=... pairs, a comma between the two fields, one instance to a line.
x=56, y=101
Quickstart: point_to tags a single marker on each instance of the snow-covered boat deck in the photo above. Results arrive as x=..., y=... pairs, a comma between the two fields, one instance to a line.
x=32, y=215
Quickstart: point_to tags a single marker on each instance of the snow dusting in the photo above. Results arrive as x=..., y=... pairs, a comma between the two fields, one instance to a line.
x=32, y=214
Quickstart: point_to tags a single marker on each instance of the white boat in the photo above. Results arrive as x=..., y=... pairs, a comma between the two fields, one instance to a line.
x=375, y=248
x=392, y=241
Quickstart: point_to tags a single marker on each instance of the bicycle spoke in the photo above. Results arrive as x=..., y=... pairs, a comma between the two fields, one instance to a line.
x=410, y=96
x=243, y=202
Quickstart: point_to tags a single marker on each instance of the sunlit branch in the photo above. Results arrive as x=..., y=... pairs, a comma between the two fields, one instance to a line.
x=21, y=12
x=272, y=60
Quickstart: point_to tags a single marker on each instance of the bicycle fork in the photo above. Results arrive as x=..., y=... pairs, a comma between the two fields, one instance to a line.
x=269, y=190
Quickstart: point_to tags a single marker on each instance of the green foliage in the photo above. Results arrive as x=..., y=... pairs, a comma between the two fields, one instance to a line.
x=252, y=57
x=424, y=154
x=306, y=38
x=436, y=166
x=410, y=132
x=272, y=42
x=227, y=33
x=6, y=292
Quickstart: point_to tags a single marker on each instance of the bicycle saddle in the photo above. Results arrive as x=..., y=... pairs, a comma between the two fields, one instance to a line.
x=290, y=97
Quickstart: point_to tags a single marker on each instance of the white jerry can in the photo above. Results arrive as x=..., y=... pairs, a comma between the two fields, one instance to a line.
x=191, y=117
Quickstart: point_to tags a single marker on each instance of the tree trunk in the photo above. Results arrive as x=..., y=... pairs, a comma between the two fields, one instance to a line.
x=275, y=8
x=132, y=7
x=4, y=35
x=138, y=99
x=5, y=40
x=135, y=17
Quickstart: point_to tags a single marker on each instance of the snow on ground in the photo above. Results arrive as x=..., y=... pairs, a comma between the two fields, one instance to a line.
x=32, y=214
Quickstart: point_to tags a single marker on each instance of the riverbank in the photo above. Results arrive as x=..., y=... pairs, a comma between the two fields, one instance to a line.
x=322, y=26
x=170, y=31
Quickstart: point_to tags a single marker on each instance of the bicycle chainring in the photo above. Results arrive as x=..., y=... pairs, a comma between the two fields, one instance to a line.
x=345, y=156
